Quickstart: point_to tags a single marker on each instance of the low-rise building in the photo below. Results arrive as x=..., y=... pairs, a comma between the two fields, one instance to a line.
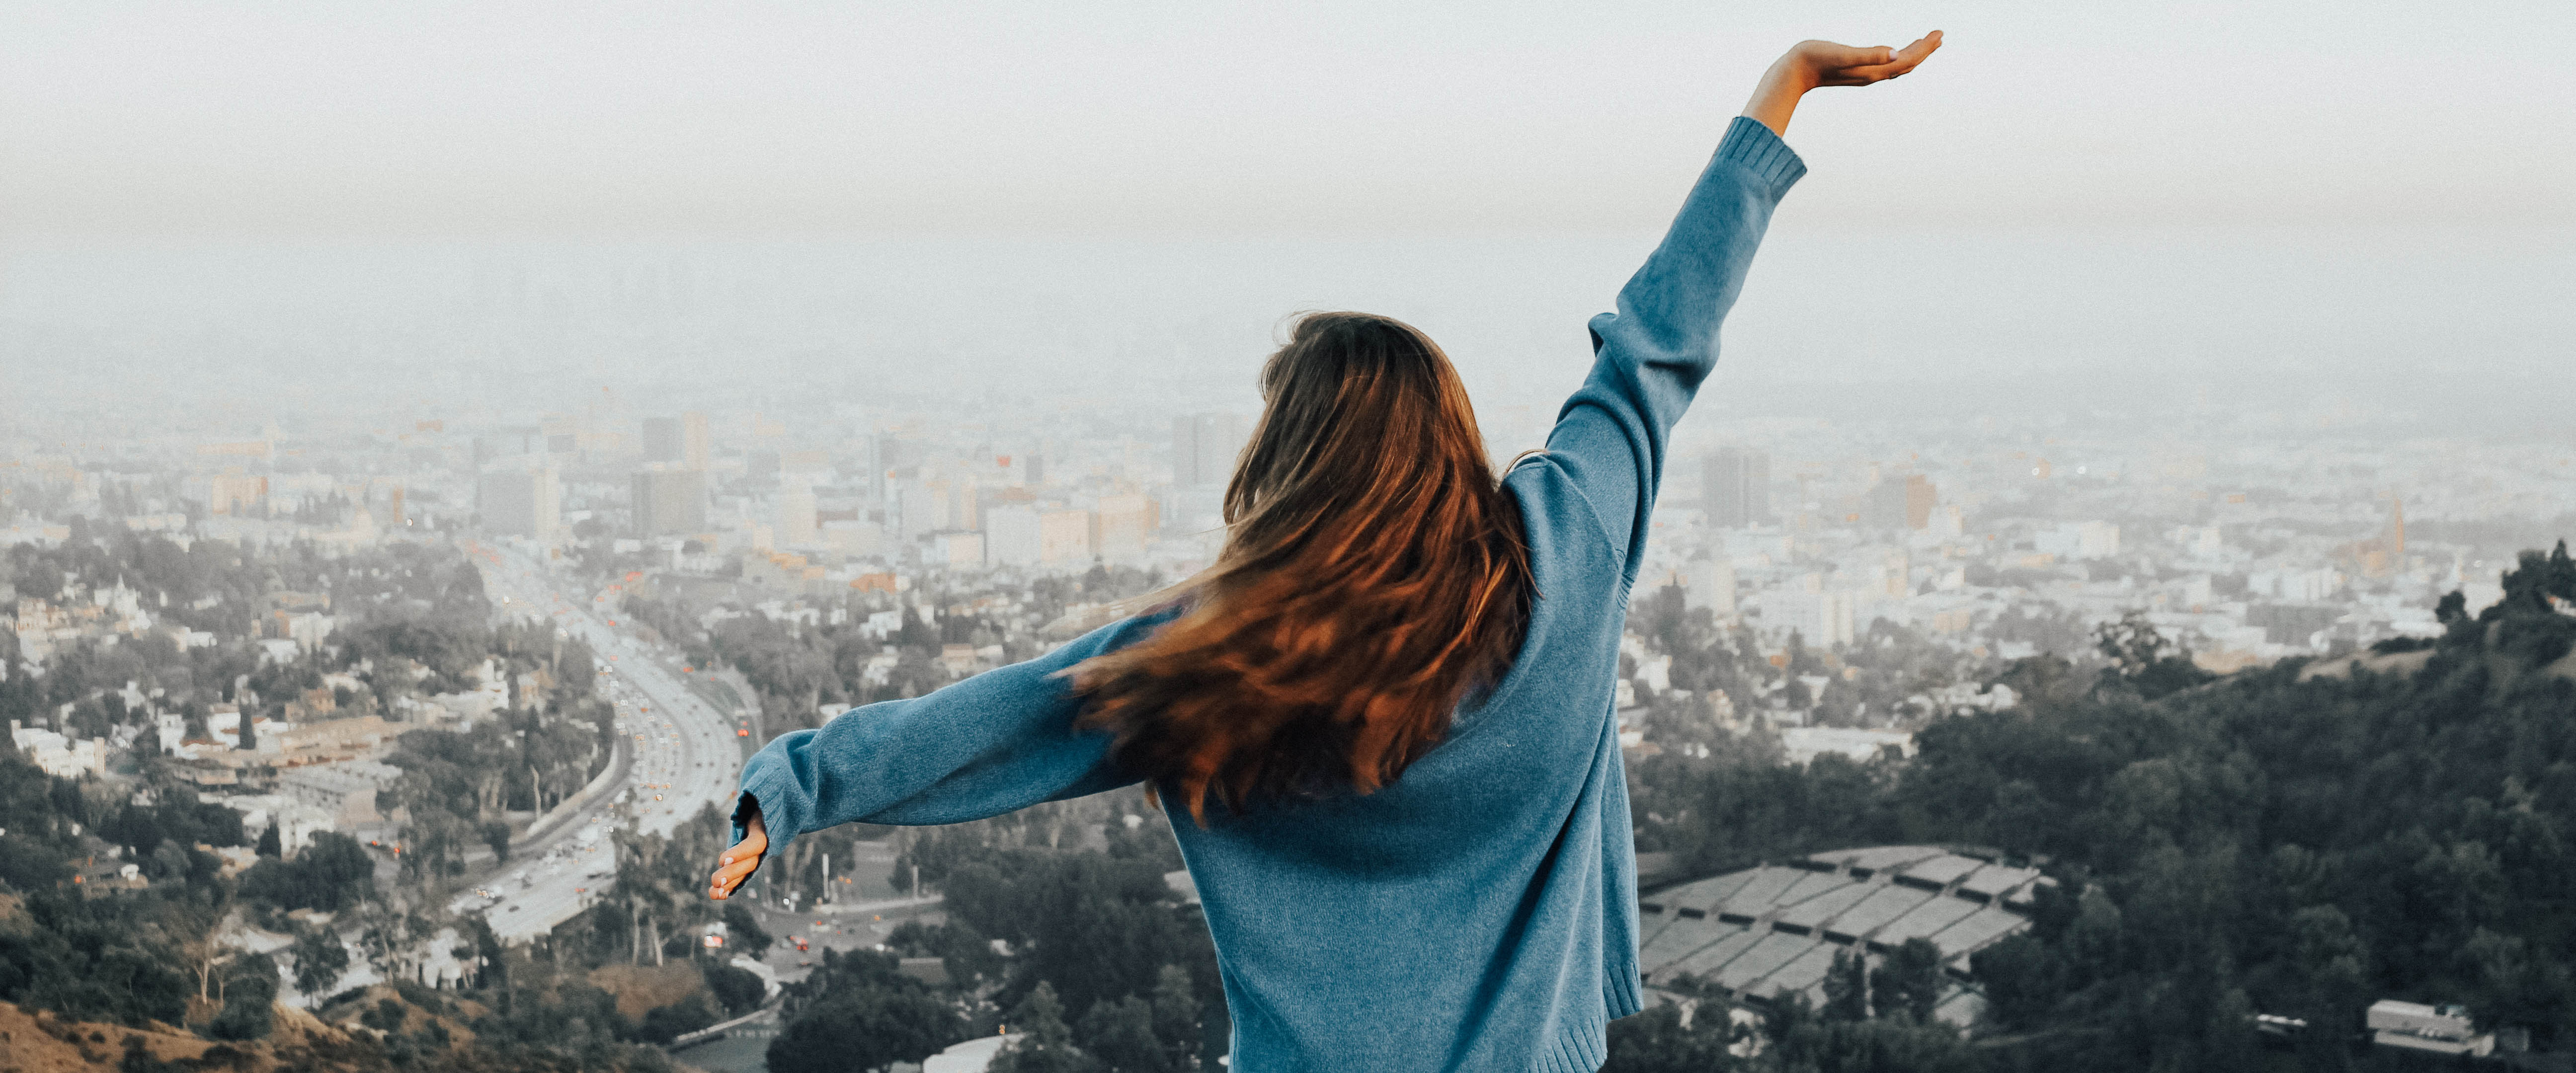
x=346, y=792
x=2415, y=1026
x=296, y=822
x=59, y=756
x=1807, y=743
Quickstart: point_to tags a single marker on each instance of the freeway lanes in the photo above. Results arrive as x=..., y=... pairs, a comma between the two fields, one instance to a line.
x=682, y=754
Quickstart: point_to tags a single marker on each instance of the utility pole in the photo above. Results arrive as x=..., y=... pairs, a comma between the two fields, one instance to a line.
x=916, y=883
x=827, y=878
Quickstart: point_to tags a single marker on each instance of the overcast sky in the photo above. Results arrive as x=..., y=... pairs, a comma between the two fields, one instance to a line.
x=515, y=118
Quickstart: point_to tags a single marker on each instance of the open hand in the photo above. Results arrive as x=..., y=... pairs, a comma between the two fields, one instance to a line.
x=1824, y=63
x=1815, y=64
x=740, y=861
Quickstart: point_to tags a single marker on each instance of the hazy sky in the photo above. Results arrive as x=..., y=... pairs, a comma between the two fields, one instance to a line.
x=633, y=118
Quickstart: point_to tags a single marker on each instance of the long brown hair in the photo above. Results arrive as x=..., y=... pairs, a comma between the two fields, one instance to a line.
x=1374, y=578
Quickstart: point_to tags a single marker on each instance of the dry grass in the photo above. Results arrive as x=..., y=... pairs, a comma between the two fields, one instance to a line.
x=644, y=987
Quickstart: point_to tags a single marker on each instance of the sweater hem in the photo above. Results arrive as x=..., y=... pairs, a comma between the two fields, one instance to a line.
x=1580, y=1047
x=1626, y=994
x=758, y=787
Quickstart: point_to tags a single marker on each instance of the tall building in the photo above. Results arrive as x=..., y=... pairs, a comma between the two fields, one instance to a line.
x=521, y=501
x=796, y=516
x=2086, y=540
x=1122, y=525
x=922, y=508
x=1021, y=535
x=1739, y=488
x=1011, y=536
x=1205, y=446
x=1064, y=537
x=1710, y=583
x=1895, y=502
x=680, y=440
x=669, y=501
x=508, y=441
x=1822, y=619
x=662, y=439
x=235, y=492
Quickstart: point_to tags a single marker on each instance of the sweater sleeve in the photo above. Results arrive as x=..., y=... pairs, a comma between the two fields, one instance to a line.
x=996, y=742
x=1650, y=356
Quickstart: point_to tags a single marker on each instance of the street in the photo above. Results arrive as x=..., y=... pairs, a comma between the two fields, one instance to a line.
x=681, y=754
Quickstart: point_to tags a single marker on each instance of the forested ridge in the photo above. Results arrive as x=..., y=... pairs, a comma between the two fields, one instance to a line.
x=2299, y=840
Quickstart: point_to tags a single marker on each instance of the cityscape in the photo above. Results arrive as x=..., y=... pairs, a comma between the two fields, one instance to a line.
x=2108, y=607
x=459, y=682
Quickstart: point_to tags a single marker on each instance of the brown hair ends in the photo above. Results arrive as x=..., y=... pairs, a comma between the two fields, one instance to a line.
x=1374, y=578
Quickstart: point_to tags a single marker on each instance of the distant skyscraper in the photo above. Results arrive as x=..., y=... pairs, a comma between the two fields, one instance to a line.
x=922, y=508
x=234, y=492
x=1121, y=525
x=669, y=501
x=1822, y=619
x=694, y=444
x=1205, y=446
x=1920, y=498
x=796, y=525
x=662, y=439
x=681, y=440
x=1064, y=537
x=1739, y=488
x=1709, y=583
x=1899, y=501
x=519, y=501
x=1011, y=536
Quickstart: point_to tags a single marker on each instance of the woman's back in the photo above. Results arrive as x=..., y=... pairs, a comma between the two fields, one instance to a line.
x=1479, y=910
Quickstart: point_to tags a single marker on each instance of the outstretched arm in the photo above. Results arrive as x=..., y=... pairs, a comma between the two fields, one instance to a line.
x=1814, y=64
x=1651, y=355
x=999, y=741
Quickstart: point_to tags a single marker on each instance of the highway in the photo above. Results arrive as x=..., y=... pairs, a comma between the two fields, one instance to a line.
x=682, y=754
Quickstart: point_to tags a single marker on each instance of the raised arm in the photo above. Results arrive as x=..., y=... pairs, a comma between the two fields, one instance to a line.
x=1651, y=355
x=999, y=741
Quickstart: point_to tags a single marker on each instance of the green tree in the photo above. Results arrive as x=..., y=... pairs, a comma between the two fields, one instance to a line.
x=320, y=960
x=1656, y=1041
x=743, y=933
x=1045, y=1044
x=1847, y=991
x=867, y=1028
x=662, y=1024
x=1176, y=1018
x=250, y=989
x=1908, y=980
x=739, y=989
x=1120, y=1034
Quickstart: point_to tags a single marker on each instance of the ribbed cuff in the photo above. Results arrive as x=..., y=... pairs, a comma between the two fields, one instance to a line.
x=763, y=783
x=1751, y=146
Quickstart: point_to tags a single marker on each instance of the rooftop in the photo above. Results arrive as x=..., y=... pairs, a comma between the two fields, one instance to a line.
x=1775, y=928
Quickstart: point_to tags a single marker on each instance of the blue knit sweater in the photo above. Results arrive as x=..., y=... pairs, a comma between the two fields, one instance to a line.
x=1480, y=913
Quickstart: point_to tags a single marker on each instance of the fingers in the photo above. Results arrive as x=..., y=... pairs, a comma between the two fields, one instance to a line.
x=1900, y=61
x=1843, y=65
x=729, y=877
x=738, y=863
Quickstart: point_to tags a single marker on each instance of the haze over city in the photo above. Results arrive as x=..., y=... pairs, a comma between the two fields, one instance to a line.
x=439, y=445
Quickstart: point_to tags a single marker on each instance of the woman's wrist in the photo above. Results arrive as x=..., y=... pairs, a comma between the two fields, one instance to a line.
x=1775, y=98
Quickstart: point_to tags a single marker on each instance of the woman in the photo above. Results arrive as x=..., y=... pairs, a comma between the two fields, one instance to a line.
x=1386, y=711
